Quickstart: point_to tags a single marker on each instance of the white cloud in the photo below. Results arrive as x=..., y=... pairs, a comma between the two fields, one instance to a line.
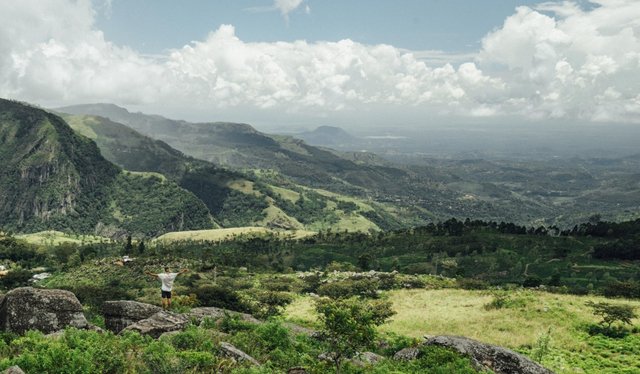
x=554, y=61
x=283, y=6
x=564, y=63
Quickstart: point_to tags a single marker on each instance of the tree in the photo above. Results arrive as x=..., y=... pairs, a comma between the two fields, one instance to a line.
x=128, y=246
x=141, y=247
x=349, y=325
x=612, y=313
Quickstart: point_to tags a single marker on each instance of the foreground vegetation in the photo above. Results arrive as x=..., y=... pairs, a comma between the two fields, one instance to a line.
x=529, y=319
x=542, y=292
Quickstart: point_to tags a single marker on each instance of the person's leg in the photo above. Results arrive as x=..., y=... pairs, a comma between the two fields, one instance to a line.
x=169, y=301
x=165, y=300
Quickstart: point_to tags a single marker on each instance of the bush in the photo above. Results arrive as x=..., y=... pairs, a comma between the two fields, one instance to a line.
x=269, y=303
x=348, y=326
x=16, y=278
x=367, y=288
x=221, y=297
x=532, y=282
x=272, y=335
x=627, y=289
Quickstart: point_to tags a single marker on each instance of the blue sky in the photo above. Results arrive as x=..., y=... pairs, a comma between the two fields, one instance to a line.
x=153, y=26
x=352, y=63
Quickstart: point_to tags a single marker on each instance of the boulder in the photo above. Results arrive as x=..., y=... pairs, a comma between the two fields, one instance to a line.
x=367, y=358
x=486, y=356
x=46, y=310
x=122, y=313
x=158, y=324
x=236, y=354
x=199, y=314
x=13, y=370
x=406, y=354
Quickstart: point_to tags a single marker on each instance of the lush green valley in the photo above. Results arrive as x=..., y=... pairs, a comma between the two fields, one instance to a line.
x=563, y=192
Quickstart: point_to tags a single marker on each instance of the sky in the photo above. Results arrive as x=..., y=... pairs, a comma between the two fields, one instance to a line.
x=353, y=63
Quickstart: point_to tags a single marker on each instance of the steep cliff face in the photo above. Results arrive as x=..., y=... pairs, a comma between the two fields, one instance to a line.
x=50, y=176
x=53, y=178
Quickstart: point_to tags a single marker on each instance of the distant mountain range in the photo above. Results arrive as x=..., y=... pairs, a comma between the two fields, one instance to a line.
x=101, y=169
x=327, y=136
x=415, y=191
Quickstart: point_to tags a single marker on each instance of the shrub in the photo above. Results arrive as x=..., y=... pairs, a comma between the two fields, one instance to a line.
x=532, y=282
x=367, y=288
x=272, y=335
x=232, y=323
x=312, y=282
x=279, y=283
x=16, y=278
x=627, y=289
x=350, y=325
x=270, y=304
x=221, y=297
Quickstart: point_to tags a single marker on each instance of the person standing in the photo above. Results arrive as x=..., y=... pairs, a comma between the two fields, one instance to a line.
x=167, y=279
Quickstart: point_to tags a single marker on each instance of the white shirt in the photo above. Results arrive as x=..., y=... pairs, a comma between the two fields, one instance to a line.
x=167, y=280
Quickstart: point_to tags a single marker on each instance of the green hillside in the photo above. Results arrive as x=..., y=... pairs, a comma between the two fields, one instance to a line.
x=55, y=179
x=235, y=199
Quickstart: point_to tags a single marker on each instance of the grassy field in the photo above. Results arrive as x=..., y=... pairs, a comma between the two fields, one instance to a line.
x=228, y=234
x=53, y=238
x=462, y=312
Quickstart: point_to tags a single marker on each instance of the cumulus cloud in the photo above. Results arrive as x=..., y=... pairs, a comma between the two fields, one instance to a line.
x=552, y=61
x=563, y=61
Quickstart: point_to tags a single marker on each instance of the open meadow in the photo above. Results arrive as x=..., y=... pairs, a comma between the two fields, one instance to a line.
x=526, y=321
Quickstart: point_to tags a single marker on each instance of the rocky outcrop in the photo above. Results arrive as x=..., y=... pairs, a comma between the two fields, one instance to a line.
x=46, y=310
x=200, y=314
x=486, y=356
x=159, y=323
x=120, y=314
x=236, y=354
x=367, y=358
x=407, y=354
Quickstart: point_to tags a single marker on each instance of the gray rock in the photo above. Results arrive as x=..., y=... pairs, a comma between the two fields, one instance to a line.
x=158, y=324
x=486, y=356
x=236, y=354
x=122, y=313
x=369, y=358
x=46, y=310
x=13, y=370
x=200, y=314
x=407, y=354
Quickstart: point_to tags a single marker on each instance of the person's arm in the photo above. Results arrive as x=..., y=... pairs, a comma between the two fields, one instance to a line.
x=151, y=274
x=183, y=271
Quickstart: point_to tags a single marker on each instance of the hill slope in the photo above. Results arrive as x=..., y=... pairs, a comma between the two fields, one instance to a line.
x=563, y=192
x=54, y=178
x=234, y=198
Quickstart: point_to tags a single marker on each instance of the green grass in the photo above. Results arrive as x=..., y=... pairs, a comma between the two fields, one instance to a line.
x=461, y=312
x=53, y=238
x=227, y=234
